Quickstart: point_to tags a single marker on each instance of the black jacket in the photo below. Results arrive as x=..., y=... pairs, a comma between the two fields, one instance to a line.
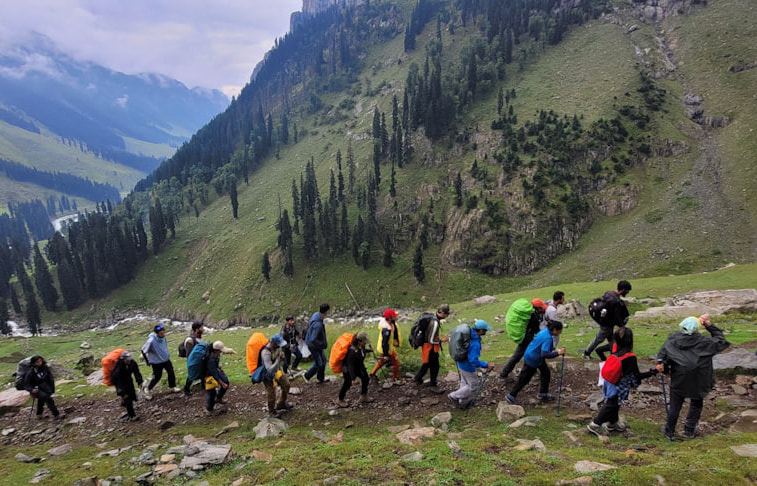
x=214, y=368
x=354, y=363
x=688, y=358
x=290, y=335
x=534, y=322
x=631, y=367
x=617, y=312
x=41, y=378
x=121, y=378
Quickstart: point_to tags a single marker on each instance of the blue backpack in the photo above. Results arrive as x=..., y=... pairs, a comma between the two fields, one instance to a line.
x=197, y=360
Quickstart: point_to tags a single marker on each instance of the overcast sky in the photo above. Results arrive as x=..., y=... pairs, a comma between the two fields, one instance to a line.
x=207, y=43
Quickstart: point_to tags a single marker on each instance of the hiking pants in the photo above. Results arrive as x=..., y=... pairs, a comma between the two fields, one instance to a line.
x=468, y=383
x=214, y=396
x=319, y=365
x=348, y=383
x=290, y=350
x=430, y=356
x=389, y=359
x=674, y=410
x=270, y=390
x=127, y=402
x=45, y=398
x=520, y=350
x=527, y=373
x=609, y=411
x=157, y=374
x=603, y=333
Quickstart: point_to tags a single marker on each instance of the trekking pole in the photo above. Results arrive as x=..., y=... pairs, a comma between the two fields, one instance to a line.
x=559, y=389
x=665, y=400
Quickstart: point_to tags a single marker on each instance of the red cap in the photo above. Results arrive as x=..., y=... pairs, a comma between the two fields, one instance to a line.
x=390, y=314
x=538, y=303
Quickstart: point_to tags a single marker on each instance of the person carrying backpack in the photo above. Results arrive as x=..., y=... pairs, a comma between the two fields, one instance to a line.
x=432, y=346
x=353, y=368
x=387, y=340
x=687, y=357
x=273, y=376
x=532, y=327
x=121, y=377
x=468, y=366
x=613, y=313
x=315, y=339
x=216, y=381
x=156, y=354
x=626, y=376
x=541, y=349
x=291, y=335
x=40, y=384
x=189, y=343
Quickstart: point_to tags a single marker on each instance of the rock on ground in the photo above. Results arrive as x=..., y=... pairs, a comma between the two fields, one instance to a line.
x=270, y=427
x=60, y=450
x=746, y=450
x=207, y=454
x=507, y=411
x=747, y=422
x=740, y=357
x=530, y=445
x=12, y=399
x=441, y=419
x=415, y=436
x=413, y=457
x=590, y=467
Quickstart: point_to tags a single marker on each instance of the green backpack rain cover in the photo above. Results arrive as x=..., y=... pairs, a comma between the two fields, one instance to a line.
x=517, y=318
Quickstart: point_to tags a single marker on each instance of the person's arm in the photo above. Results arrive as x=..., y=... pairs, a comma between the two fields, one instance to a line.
x=474, y=355
x=631, y=367
x=548, y=350
x=433, y=336
x=137, y=374
x=51, y=380
x=29, y=384
x=386, y=334
x=717, y=342
x=146, y=348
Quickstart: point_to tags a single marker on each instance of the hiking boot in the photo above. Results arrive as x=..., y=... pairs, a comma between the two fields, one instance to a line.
x=418, y=381
x=133, y=419
x=284, y=406
x=454, y=401
x=586, y=355
x=60, y=416
x=305, y=378
x=342, y=403
x=374, y=379
x=545, y=397
x=689, y=434
x=598, y=430
x=146, y=395
x=668, y=435
x=274, y=414
x=175, y=389
x=511, y=399
x=366, y=399
x=222, y=401
x=616, y=427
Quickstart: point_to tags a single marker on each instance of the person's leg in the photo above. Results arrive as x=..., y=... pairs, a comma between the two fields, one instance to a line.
x=285, y=361
x=602, y=334
x=520, y=350
x=220, y=392
x=129, y=404
x=544, y=376
x=157, y=374
x=425, y=350
x=321, y=374
x=187, y=385
x=379, y=363
x=314, y=367
x=674, y=410
x=468, y=383
x=395, y=366
x=270, y=392
x=364, y=384
x=297, y=357
x=40, y=402
x=607, y=348
x=526, y=373
x=609, y=411
x=692, y=419
x=171, y=375
x=345, y=386
x=210, y=400
x=284, y=385
x=433, y=366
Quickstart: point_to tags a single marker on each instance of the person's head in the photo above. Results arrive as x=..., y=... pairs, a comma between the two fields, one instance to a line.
x=361, y=339
x=689, y=326
x=159, y=330
x=481, y=326
x=324, y=309
x=555, y=327
x=277, y=341
x=219, y=347
x=197, y=328
x=624, y=339
x=443, y=311
x=126, y=356
x=624, y=287
x=289, y=321
x=37, y=361
x=558, y=298
x=539, y=306
x=390, y=315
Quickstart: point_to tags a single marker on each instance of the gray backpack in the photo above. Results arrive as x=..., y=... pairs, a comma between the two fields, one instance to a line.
x=459, y=342
x=23, y=368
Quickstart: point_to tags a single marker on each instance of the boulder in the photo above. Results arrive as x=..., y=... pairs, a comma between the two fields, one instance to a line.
x=530, y=445
x=11, y=400
x=86, y=363
x=21, y=457
x=208, y=454
x=747, y=422
x=735, y=358
x=571, y=310
x=677, y=311
x=584, y=467
x=95, y=378
x=742, y=300
x=39, y=476
x=415, y=436
x=270, y=427
x=507, y=411
x=164, y=469
x=746, y=450
x=413, y=457
x=485, y=299
x=531, y=421
x=594, y=399
x=60, y=450
x=441, y=419
x=319, y=435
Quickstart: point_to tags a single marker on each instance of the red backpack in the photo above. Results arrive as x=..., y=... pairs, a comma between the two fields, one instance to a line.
x=612, y=371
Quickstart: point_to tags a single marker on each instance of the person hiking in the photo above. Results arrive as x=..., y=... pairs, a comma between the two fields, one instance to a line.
x=541, y=349
x=687, y=356
x=121, y=377
x=195, y=335
x=291, y=336
x=315, y=339
x=614, y=313
x=432, y=347
x=550, y=312
x=532, y=327
x=215, y=379
x=353, y=369
x=40, y=384
x=155, y=352
x=388, y=339
x=616, y=393
x=273, y=376
x=468, y=377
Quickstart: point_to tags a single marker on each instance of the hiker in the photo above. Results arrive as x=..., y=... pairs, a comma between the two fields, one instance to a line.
x=122, y=379
x=616, y=393
x=315, y=339
x=189, y=343
x=467, y=367
x=216, y=381
x=550, y=313
x=155, y=352
x=388, y=339
x=273, y=376
x=541, y=349
x=432, y=345
x=687, y=357
x=532, y=327
x=353, y=368
x=613, y=313
x=40, y=384
x=291, y=336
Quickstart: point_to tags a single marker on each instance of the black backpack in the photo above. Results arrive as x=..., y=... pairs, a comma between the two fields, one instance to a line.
x=418, y=332
x=599, y=312
x=183, y=348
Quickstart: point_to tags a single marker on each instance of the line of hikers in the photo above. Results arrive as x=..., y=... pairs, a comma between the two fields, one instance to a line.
x=686, y=356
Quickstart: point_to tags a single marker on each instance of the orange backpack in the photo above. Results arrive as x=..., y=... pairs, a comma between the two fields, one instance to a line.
x=339, y=352
x=254, y=345
x=109, y=362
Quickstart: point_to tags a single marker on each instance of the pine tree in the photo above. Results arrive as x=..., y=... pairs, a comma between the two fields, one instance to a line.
x=69, y=286
x=32, y=314
x=234, y=198
x=365, y=254
x=170, y=218
x=344, y=233
x=340, y=176
x=296, y=206
x=285, y=231
x=44, y=281
x=357, y=238
x=157, y=226
x=288, y=262
x=4, y=317
x=14, y=301
x=387, y=251
x=377, y=163
x=350, y=169
x=266, y=267
x=418, y=271
x=458, y=190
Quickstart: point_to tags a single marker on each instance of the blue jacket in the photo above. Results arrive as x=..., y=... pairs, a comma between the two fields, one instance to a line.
x=541, y=348
x=318, y=333
x=474, y=352
x=156, y=349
